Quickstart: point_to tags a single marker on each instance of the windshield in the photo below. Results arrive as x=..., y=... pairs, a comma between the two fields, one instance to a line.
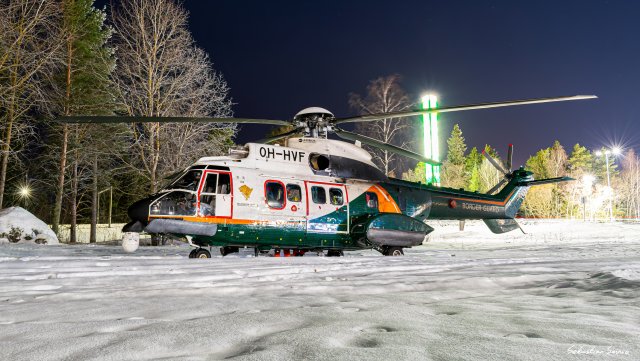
x=189, y=181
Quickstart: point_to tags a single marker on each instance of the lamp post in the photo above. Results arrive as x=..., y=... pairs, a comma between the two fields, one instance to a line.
x=615, y=151
x=110, y=190
x=431, y=141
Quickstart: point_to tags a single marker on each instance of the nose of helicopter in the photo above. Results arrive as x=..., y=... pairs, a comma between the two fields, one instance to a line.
x=139, y=211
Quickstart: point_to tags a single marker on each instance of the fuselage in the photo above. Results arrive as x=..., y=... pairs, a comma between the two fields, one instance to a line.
x=314, y=193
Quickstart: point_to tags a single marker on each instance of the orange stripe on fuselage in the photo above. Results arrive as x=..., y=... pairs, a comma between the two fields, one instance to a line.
x=496, y=203
x=386, y=203
x=223, y=220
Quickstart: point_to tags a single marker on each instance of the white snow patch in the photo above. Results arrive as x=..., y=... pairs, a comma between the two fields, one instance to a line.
x=17, y=225
x=629, y=274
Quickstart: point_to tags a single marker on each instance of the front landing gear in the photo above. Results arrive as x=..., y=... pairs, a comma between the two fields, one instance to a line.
x=392, y=251
x=199, y=253
x=228, y=250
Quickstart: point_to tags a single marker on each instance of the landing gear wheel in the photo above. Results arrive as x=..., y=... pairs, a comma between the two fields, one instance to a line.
x=334, y=253
x=201, y=253
x=192, y=254
x=392, y=251
x=228, y=249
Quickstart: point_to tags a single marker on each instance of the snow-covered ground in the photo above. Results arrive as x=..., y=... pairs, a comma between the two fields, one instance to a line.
x=564, y=291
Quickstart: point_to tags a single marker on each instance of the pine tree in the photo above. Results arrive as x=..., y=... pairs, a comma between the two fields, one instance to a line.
x=417, y=174
x=84, y=89
x=453, y=169
x=472, y=168
x=580, y=161
x=539, y=164
x=456, y=146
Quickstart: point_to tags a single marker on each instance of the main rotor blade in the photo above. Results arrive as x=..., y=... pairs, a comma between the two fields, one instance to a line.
x=382, y=145
x=497, y=186
x=279, y=136
x=510, y=158
x=495, y=163
x=121, y=119
x=457, y=108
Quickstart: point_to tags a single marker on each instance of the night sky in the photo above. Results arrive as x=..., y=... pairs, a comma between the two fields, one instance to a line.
x=281, y=56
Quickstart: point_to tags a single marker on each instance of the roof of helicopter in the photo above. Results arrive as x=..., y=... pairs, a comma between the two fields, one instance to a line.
x=313, y=110
x=276, y=153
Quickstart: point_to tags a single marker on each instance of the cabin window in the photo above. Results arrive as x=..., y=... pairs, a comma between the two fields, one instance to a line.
x=335, y=196
x=274, y=192
x=208, y=195
x=189, y=181
x=319, y=195
x=224, y=184
x=210, y=183
x=294, y=193
x=371, y=199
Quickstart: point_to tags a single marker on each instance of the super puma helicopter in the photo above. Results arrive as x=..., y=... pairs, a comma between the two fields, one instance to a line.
x=316, y=193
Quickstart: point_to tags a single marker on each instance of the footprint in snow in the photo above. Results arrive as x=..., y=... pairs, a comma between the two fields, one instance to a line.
x=523, y=335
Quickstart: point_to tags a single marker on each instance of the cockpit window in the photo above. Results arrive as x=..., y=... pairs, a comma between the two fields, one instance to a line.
x=189, y=181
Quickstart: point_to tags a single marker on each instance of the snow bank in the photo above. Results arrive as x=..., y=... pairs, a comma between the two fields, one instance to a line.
x=18, y=225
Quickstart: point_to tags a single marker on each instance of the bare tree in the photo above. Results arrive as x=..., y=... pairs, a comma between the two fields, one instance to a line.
x=27, y=31
x=161, y=72
x=489, y=176
x=384, y=95
x=630, y=184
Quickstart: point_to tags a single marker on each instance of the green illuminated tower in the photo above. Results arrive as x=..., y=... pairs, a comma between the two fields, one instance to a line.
x=431, y=144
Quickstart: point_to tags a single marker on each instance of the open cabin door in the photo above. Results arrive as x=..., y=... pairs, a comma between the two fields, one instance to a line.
x=215, y=196
x=327, y=211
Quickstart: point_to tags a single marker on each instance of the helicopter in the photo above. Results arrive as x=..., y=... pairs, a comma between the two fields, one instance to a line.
x=316, y=194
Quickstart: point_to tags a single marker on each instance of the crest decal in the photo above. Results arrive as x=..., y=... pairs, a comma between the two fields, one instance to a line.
x=246, y=191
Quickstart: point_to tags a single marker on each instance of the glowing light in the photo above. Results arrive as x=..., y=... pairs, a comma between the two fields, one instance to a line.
x=431, y=143
x=598, y=153
x=616, y=150
x=588, y=179
x=24, y=192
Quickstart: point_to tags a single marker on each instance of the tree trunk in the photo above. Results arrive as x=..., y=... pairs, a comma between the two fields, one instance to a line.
x=57, y=208
x=73, y=237
x=94, y=202
x=5, y=155
x=6, y=147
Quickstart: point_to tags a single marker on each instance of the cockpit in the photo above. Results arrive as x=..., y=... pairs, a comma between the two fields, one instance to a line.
x=199, y=191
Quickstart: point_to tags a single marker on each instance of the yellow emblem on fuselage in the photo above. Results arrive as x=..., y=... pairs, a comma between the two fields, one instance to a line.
x=246, y=191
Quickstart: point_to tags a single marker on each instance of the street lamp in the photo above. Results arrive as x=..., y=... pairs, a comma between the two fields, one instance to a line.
x=613, y=151
x=587, y=184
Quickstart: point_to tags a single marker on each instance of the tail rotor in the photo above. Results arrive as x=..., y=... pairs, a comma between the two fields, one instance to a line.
x=507, y=173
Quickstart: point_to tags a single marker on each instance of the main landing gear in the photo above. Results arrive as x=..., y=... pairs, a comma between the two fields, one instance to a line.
x=392, y=251
x=335, y=253
x=200, y=253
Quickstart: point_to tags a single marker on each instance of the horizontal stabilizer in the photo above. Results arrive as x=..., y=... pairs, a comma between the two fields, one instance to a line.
x=499, y=226
x=545, y=181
